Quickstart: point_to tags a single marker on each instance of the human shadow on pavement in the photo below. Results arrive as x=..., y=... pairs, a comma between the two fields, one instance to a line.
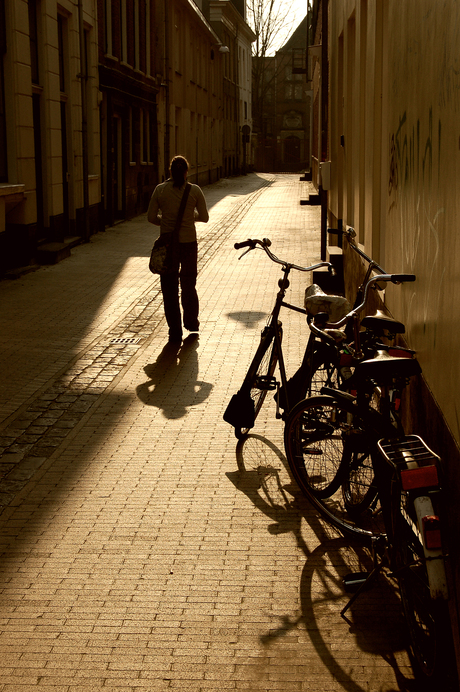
x=375, y=619
x=173, y=386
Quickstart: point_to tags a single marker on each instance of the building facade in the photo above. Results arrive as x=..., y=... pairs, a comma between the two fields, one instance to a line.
x=190, y=99
x=283, y=110
x=49, y=182
x=228, y=20
x=392, y=151
x=293, y=104
x=128, y=106
x=96, y=96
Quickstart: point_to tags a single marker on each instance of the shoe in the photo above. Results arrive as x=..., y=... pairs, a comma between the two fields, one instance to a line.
x=192, y=327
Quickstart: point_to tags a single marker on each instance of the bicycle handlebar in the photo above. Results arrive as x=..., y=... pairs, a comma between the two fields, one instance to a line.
x=350, y=234
x=252, y=243
x=394, y=278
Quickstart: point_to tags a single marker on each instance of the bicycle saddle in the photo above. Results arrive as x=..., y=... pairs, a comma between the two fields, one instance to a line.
x=317, y=301
x=384, y=366
x=380, y=321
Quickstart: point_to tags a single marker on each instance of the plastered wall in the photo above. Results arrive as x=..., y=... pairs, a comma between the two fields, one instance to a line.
x=394, y=146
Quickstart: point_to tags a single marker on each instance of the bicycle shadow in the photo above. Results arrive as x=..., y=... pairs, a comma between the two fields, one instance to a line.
x=250, y=318
x=173, y=385
x=374, y=619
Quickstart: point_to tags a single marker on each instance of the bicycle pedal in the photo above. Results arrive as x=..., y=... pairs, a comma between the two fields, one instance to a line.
x=266, y=383
x=354, y=580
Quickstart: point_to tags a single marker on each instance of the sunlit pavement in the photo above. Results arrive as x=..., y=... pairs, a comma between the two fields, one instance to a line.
x=142, y=547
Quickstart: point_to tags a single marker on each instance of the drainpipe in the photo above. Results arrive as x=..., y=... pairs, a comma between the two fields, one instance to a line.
x=84, y=123
x=167, y=149
x=324, y=120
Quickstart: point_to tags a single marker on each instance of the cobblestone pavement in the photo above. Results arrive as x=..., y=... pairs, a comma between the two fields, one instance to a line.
x=142, y=547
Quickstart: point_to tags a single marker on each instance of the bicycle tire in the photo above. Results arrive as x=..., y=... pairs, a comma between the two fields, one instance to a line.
x=358, y=486
x=324, y=372
x=427, y=620
x=317, y=432
x=263, y=366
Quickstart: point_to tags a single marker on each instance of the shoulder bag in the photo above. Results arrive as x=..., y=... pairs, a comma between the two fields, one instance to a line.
x=163, y=251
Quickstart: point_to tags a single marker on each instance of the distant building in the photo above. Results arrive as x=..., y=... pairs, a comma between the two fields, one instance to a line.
x=228, y=19
x=284, y=107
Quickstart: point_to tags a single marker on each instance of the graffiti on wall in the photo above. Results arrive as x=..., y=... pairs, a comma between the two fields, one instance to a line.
x=416, y=211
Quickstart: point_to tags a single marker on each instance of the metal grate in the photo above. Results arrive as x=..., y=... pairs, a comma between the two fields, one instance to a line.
x=125, y=340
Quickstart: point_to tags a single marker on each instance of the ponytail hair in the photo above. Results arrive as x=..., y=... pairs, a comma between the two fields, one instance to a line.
x=178, y=168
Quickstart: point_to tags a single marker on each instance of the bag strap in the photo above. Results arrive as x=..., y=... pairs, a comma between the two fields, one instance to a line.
x=180, y=214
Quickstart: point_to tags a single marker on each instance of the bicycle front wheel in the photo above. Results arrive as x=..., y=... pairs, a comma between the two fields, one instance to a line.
x=324, y=371
x=259, y=379
x=358, y=485
x=318, y=435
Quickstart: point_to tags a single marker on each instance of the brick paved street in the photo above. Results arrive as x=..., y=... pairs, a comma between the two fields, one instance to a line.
x=142, y=548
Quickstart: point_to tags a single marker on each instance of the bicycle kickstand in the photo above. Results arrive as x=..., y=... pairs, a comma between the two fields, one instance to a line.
x=364, y=579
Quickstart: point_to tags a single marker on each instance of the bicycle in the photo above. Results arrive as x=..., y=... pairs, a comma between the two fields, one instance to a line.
x=329, y=438
x=244, y=406
x=318, y=458
x=328, y=365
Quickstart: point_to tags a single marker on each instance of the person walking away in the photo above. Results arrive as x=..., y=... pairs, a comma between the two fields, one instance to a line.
x=163, y=211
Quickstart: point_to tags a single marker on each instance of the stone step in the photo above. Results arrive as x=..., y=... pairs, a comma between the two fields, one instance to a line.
x=52, y=253
x=313, y=200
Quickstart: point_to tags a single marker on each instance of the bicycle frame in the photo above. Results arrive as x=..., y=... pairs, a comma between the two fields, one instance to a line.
x=280, y=303
x=256, y=379
x=274, y=322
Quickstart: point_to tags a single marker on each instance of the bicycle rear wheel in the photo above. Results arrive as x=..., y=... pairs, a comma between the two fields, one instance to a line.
x=259, y=379
x=318, y=435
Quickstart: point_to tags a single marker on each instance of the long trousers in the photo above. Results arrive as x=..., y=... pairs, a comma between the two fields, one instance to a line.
x=185, y=272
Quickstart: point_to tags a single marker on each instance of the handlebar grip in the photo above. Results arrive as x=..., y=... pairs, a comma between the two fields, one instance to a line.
x=245, y=243
x=402, y=278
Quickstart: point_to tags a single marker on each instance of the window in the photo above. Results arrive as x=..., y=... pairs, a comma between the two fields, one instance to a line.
x=3, y=159
x=62, y=78
x=89, y=100
x=132, y=135
x=108, y=27
x=123, y=34
x=152, y=140
x=33, y=32
x=136, y=34
x=148, y=67
x=145, y=135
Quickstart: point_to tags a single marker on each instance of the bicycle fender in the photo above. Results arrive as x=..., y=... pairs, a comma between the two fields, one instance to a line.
x=339, y=395
x=434, y=558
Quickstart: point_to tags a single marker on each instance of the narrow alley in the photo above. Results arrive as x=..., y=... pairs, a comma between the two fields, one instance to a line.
x=142, y=547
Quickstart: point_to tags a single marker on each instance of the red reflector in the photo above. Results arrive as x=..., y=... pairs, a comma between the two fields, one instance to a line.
x=399, y=352
x=346, y=359
x=421, y=477
x=432, y=532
